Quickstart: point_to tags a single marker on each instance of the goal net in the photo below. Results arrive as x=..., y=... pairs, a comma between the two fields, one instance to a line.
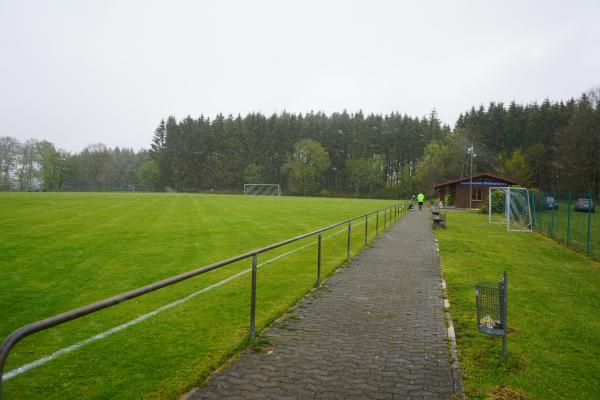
x=261, y=189
x=510, y=206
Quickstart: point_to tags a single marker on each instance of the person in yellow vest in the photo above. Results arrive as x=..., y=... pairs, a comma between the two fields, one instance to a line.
x=420, y=200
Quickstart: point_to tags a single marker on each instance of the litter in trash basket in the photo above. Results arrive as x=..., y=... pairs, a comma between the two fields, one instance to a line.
x=490, y=323
x=491, y=299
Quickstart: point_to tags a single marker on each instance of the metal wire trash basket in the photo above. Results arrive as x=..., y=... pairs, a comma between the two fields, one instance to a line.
x=491, y=299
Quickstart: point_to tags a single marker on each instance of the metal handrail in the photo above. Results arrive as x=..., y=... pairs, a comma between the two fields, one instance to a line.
x=11, y=340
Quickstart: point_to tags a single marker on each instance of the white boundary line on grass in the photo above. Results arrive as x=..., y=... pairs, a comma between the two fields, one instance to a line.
x=26, y=367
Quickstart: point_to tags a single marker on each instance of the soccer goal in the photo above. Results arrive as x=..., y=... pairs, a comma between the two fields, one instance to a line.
x=510, y=206
x=262, y=189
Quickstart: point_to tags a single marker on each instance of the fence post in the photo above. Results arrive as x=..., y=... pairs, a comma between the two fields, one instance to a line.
x=366, y=227
x=570, y=200
x=377, y=225
x=507, y=208
x=504, y=313
x=253, y=297
x=318, y=260
x=553, y=216
x=348, y=248
x=588, y=247
x=541, y=210
x=532, y=205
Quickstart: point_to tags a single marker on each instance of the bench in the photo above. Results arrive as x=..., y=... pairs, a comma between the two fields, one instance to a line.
x=438, y=218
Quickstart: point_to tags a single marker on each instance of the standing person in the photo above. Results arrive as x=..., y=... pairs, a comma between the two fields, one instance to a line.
x=420, y=200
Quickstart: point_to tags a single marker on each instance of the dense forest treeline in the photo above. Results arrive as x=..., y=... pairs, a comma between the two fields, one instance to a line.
x=551, y=146
x=367, y=154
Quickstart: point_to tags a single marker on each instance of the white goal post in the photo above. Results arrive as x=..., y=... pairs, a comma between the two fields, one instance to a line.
x=510, y=206
x=262, y=189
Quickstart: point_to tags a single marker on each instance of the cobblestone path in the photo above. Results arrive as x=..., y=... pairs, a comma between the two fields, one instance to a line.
x=374, y=330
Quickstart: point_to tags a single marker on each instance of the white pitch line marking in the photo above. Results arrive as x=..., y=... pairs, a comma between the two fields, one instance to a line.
x=26, y=367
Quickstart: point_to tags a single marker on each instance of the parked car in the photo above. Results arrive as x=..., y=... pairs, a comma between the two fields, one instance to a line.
x=584, y=205
x=551, y=203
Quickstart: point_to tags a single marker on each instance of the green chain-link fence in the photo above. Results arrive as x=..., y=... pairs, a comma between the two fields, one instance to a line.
x=568, y=217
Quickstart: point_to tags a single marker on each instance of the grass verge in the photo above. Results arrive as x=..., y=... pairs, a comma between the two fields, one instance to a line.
x=553, y=303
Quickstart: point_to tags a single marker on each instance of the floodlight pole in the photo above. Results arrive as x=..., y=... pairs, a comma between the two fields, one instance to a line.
x=472, y=154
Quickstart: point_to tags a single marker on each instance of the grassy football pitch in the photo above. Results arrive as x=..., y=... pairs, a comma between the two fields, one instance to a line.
x=553, y=317
x=59, y=251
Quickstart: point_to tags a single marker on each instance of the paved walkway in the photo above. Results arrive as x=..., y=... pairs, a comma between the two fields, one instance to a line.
x=374, y=330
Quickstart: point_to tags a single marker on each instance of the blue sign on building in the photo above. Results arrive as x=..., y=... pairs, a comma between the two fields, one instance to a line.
x=484, y=182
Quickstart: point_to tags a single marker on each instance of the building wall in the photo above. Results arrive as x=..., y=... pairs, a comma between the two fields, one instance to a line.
x=461, y=195
x=460, y=190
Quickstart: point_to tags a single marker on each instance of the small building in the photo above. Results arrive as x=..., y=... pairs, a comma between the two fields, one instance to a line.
x=457, y=190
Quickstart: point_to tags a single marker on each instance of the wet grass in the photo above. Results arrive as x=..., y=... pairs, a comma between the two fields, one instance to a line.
x=59, y=251
x=553, y=303
x=570, y=227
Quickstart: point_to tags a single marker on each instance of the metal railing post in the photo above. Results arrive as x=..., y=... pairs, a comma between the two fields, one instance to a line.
x=253, y=297
x=366, y=228
x=318, y=260
x=377, y=225
x=348, y=249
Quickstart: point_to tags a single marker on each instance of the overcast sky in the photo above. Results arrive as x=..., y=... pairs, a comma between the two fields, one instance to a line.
x=82, y=72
